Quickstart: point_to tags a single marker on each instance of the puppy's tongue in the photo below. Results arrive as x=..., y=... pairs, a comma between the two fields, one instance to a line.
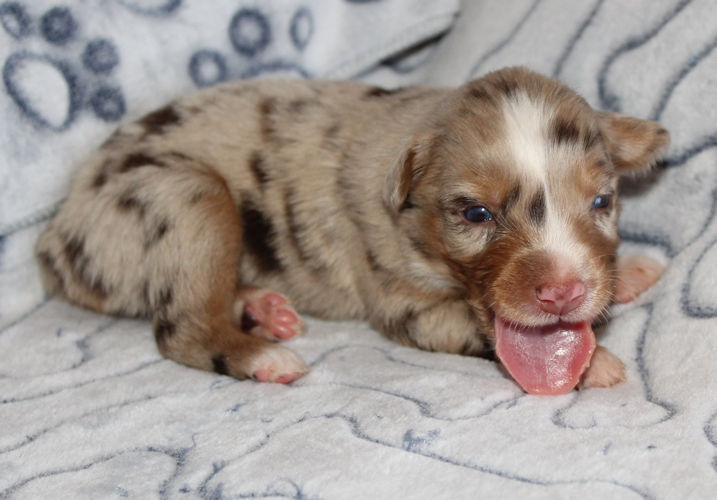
x=545, y=359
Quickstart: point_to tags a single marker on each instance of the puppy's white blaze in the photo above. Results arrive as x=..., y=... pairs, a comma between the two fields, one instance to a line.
x=559, y=241
x=526, y=122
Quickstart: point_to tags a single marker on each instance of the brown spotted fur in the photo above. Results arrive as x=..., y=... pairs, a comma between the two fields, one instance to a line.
x=342, y=196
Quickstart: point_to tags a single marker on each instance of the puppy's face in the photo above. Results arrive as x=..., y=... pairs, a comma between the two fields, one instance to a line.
x=514, y=187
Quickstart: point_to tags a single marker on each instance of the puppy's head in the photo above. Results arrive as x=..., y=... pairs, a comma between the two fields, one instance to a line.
x=513, y=186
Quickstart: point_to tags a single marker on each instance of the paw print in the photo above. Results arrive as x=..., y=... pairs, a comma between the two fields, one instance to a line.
x=255, y=41
x=37, y=82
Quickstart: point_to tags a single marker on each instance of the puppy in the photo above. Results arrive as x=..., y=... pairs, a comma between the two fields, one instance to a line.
x=476, y=220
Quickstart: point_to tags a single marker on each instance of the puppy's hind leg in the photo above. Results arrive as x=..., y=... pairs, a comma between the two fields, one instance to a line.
x=159, y=236
x=193, y=320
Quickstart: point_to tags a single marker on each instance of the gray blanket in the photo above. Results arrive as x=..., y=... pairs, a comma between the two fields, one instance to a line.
x=88, y=408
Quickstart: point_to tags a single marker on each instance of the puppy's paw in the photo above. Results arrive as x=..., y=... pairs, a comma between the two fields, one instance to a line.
x=276, y=364
x=605, y=370
x=635, y=274
x=267, y=314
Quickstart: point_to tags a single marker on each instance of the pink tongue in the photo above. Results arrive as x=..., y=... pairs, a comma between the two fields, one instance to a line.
x=546, y=359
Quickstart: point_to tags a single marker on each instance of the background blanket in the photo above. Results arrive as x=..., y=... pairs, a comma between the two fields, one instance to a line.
x=88, y=408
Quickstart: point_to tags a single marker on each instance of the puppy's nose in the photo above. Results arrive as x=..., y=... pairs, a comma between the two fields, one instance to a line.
x=560, y=298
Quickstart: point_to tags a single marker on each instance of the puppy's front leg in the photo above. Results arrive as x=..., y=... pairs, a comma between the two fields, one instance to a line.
x=635, y=274
x=605, y=370
x=446, y=326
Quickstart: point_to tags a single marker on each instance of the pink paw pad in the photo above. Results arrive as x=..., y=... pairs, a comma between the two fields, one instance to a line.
x=269, y=315
x=267, y=375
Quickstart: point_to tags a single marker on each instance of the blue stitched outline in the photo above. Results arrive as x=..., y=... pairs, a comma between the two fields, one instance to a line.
x=300, y=40
x=23, y=22
x=608, y=100
x=29, y=438
x=56, y=390
x=693, y=62
x=249, y=47
x=509, y=38
x=710, y=430
x=13, y=62
x=169, y=7
x=355, y=429
x=179, y=455
x=574, y=39
x=558, y=417
x=274, y=66
x=644, y=372
x=693, y=310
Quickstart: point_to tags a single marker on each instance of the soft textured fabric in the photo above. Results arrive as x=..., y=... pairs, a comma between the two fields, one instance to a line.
x=88, y=408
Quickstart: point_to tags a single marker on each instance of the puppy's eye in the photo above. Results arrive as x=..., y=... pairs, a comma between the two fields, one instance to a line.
x=602, y=201
x=477, y=214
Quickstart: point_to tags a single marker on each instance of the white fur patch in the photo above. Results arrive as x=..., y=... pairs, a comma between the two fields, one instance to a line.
x=527, y=123
x=526, y=133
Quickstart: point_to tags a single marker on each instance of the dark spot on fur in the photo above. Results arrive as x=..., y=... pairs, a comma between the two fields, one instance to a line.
x=48, y=263
x=158, y=121
x=536, y=209
x=99, y=180
x=373, y=262
x=333, y=131
x=266, y=109
x=331, y=135
x=176, y=155
x=259, y=238
x=591, y=139
x=296, y=230
x=97, y=286
x=197, y=197
x=565, y=132
x=219, y=363
x=480, y=345
x=248, y=322
x=128, y=202
x=510, y=199
x=166, y=297
x=257, y=167
x=145, y=294
x=74, y=251
x=136, y=160
x=479, y=93
x=506, y=87
x=407, y=204
x=157, y=233
x=399, y=328
x=420, y=247
x=298, y=106
x=381, y=92
x=163, y=329
x=79, y=262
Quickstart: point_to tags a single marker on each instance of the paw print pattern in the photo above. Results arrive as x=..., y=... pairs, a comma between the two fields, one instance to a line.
x=58, y=26
x=37, y=82
x=151, y=7
x=15, y=20
x=252, y=38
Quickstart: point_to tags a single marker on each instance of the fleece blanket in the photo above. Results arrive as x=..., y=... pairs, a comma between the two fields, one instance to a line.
x=88, y=408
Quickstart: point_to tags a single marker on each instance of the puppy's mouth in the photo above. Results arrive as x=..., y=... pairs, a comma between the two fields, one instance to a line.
x=547, y=359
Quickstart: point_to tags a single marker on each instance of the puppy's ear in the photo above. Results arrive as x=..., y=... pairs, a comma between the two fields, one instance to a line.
x=403, y=175
x=633, y=144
